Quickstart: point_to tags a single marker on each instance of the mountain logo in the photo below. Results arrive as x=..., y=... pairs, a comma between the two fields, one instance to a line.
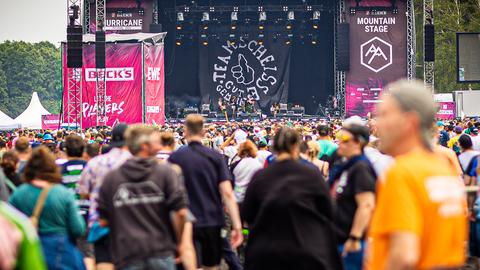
x=376, y=54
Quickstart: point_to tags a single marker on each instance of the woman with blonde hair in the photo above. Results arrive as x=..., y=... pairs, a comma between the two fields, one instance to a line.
x=313, y=151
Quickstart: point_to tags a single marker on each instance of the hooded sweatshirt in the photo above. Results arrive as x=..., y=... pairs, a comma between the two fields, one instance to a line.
x=137, y=199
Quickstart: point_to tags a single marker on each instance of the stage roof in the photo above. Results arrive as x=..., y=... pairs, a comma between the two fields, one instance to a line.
x=153, y=38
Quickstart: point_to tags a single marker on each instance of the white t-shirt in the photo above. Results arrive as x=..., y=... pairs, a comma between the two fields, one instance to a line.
x=243, y=173
x=466, y=157
x=380, y=162
x=476, y=142
x=262, y=155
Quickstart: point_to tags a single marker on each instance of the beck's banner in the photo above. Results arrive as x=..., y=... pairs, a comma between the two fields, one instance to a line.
x=244, y=70
x=154, y=84
x=378, y=54
x=51, y=121
x=123, y=84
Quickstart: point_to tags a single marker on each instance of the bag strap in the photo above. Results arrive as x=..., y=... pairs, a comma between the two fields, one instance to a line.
x=37, y=211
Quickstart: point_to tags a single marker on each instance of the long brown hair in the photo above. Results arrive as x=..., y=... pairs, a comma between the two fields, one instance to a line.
x=9, y=164
x=41, y=165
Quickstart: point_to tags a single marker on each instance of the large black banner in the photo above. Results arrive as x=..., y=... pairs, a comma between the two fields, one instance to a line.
x=245, y=70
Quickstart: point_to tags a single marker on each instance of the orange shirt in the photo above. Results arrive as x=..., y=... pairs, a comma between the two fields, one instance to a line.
x=450, y=155
x=424, y=195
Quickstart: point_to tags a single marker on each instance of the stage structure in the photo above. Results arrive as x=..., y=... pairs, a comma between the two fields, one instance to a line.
x=382, y=50
x=134, y=79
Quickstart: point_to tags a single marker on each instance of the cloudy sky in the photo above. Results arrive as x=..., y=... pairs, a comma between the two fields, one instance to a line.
x=33, y=20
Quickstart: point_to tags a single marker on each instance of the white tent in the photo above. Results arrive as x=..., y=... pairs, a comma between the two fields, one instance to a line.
x=32, y=116
x=6, y=122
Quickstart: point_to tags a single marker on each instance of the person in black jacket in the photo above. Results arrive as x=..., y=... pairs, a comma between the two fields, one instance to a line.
x=289, y=212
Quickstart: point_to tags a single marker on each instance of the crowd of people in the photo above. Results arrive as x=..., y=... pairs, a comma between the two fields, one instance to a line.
x=389, y=192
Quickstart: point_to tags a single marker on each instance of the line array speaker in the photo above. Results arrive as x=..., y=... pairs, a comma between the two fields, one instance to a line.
x=429, y=38
x=343, y=47
x=100, y=49
x=74, y=46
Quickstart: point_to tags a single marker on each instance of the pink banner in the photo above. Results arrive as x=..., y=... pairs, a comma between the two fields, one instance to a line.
x=446, y=110
x=378, y=54
x=124, y=84
x=154, y=84
x=50, y=121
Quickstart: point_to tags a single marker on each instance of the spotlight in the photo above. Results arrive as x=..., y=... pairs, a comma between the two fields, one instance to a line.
x=204, y=39
x=261, y=37
x=180, y=17
x=291, y=15
x=314, y=40
x=178, y=41
x=205, y=17
x=289, y=39
x=289, y=26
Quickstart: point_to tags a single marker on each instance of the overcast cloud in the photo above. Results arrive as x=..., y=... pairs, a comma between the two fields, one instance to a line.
x=33, y=20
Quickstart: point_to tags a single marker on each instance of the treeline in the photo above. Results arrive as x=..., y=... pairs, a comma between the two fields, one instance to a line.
x=26, y=68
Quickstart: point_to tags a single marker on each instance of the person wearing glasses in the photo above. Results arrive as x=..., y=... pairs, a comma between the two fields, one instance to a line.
x=353, y=190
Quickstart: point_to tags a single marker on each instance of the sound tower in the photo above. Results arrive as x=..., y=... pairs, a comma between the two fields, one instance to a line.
x=74, y=46
x=100, y=49
x=343, y=47
x=429, y=38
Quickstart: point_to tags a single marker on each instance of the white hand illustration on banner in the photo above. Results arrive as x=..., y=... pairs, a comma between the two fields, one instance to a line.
x=242, y=72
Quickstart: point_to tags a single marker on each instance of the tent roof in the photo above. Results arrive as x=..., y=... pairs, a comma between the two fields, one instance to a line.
x=32, y=116
x=6, y=122
x=137, y=37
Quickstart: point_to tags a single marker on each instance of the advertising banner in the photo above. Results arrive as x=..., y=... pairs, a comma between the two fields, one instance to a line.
x=244, y=71
x=446, y=110
x=123, y=84
x=50, y=121
x=125, y=16
x=378, y=54
x=154, y=84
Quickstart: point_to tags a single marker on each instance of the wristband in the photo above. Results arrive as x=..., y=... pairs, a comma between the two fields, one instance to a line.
x=354, y=238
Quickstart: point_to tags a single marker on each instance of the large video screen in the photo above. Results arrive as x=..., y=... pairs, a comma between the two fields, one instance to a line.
x=468, y=57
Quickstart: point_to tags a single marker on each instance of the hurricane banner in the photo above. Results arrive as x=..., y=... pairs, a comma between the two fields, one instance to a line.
x=154, y=84
x=378, y=54
x=244, y=70
x=123, y=84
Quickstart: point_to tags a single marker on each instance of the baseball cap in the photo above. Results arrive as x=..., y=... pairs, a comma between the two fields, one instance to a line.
x=474, y=130
x=458, y=129
x=47, y=137
x=361, y=133
x=440, y=124
x=118, y=135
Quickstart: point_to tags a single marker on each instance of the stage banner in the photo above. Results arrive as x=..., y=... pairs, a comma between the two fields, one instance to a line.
x=378, y=54
x=50, y=121
x=244, y=70
x=446, y=111
x=154, y=84
x=123, y=83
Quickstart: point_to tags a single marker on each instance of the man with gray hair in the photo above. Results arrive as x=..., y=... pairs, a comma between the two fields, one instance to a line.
x=420, y=219
x=140, y=202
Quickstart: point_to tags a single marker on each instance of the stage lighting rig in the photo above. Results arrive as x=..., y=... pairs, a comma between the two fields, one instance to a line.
x=233, y=19
x=205, y=20
x=178, y=41
x=261, y=38
x=316, y=19
x=289, y=39
x=204, y=39
x=180, y=19
x=261, y=20
x=314, y=40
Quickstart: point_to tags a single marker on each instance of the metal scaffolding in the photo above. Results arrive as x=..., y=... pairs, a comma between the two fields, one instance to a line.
x=101, y=86
x=339, y=75
x=74, y=75
x=428, y=67
x=86, y=16
x=411, y=43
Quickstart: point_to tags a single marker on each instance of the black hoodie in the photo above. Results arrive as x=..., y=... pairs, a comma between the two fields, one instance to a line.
x=137, y=199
